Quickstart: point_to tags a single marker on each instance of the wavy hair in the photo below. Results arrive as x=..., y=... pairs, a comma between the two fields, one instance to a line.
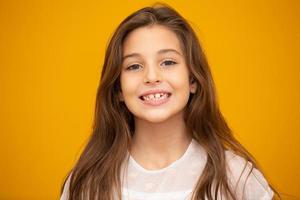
x=97, y=173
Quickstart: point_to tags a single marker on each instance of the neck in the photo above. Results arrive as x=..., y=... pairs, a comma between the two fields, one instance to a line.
x=156, y=145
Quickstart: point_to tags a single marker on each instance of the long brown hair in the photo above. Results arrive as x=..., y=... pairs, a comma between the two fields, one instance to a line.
x=96, y=175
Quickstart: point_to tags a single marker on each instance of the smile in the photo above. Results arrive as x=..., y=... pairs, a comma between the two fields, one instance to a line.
x=155, y=99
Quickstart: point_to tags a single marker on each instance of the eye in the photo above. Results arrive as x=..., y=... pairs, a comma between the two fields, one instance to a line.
x=169, y=62
x=133, y=67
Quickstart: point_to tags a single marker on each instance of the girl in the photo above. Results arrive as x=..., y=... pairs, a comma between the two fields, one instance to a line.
x=158, y=131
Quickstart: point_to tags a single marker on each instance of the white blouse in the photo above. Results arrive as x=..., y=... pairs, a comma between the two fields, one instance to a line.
x=177, y=181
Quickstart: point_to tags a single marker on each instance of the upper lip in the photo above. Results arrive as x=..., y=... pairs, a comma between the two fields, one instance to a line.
x=154, y=92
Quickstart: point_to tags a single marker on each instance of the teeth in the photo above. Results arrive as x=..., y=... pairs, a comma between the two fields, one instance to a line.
x=156, y=96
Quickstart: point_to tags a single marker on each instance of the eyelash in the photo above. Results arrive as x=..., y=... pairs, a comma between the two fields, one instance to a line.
x=173, y=63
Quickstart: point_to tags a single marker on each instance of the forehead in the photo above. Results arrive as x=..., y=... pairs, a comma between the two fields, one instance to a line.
x=150, y=39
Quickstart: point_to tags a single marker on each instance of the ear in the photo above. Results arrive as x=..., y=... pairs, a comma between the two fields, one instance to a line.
x=193, y=85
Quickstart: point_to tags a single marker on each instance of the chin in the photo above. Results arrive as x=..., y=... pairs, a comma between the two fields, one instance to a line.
x=155, y=119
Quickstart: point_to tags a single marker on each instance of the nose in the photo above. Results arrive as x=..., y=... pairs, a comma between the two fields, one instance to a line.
x=152, y=75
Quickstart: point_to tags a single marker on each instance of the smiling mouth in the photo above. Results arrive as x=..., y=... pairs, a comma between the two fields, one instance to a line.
x=155, y=97
x=155, y=100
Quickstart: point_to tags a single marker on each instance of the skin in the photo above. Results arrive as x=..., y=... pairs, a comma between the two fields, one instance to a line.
x=160, y=132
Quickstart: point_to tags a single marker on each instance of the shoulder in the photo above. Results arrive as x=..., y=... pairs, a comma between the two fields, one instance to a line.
x=249, y=182
x=65, y=193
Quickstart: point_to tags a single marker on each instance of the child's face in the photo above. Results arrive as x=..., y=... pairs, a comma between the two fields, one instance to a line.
x=154, y=61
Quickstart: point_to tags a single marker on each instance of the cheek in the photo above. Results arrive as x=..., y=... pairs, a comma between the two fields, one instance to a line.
x=179, y=80
x=128, y=85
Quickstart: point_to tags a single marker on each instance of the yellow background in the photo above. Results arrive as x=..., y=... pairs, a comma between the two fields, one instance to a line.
x=51, y=54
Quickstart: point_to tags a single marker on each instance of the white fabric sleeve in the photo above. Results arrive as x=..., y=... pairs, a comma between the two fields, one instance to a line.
x=65, y=194
x=255, y=187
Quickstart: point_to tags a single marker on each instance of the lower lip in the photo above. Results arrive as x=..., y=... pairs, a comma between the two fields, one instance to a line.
x=156, y=102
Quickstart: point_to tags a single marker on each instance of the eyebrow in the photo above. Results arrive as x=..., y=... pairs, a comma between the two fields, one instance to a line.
x=162, y=51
